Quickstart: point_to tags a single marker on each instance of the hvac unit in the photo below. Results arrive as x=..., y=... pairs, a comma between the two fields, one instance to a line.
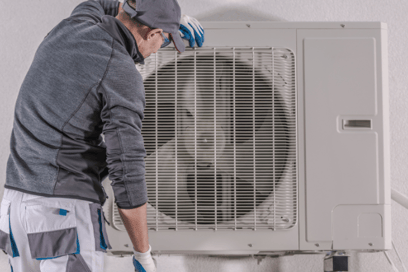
x=271, y=138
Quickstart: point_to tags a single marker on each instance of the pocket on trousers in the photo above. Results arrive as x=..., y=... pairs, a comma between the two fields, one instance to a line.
x=77, y=263
x=51, y=229
x=7, y=242
x=98, y=222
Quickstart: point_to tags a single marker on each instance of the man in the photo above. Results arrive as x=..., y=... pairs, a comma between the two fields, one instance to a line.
x=83, y=83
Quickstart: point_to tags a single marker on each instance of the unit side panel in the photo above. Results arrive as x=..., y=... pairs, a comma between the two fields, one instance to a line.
x=343, y=128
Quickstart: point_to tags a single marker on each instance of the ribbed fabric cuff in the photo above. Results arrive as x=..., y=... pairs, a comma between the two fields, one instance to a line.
x=129, y=208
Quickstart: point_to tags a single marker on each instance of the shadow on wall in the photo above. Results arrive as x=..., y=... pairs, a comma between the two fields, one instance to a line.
x=236, y=14
x=299, y=262
x=236, y=264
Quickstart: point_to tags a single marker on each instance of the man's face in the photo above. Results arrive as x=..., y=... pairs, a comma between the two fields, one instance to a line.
x=152, y=43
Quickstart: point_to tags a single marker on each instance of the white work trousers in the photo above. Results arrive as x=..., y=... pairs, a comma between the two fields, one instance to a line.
x=49, y=234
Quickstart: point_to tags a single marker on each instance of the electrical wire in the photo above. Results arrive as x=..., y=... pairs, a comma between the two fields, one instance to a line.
x=396, y=251
x=390, y=261
x=403, y=201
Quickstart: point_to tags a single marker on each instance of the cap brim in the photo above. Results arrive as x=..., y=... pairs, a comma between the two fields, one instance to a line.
x=178, y=42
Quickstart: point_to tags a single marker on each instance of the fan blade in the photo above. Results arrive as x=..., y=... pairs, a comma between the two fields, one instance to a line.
x=165, y=189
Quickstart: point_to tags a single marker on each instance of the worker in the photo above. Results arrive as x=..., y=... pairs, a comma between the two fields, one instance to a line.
x=82, y=84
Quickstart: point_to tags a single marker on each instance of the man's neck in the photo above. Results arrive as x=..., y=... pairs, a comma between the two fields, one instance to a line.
x=124, y=19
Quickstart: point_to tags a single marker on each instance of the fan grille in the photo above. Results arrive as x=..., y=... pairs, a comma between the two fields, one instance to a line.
x=220, y=135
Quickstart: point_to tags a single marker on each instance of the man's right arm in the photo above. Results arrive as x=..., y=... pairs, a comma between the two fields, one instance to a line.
x=135, y=221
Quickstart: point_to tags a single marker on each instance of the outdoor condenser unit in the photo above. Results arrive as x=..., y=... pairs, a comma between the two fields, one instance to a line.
x=272, y=137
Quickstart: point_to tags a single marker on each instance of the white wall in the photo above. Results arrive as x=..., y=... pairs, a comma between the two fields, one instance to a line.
x=24, y=23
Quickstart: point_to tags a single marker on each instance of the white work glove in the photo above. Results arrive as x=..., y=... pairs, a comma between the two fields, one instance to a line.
x=143, y=262
x=191, y=30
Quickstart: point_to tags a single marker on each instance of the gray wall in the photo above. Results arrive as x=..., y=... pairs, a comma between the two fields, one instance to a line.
x=24, y=23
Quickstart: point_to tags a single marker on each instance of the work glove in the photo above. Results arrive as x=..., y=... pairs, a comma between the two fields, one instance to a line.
x=191, y=30
x=143, y=262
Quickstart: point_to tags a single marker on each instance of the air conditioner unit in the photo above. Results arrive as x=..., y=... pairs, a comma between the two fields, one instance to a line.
x=273, y=137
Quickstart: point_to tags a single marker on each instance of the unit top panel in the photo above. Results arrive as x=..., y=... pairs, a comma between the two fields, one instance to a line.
x=293, y=25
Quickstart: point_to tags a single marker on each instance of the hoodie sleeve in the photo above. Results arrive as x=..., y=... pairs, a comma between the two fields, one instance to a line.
x=123, y=98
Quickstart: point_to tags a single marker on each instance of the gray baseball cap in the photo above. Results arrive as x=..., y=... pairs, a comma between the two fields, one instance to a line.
x=164, y=14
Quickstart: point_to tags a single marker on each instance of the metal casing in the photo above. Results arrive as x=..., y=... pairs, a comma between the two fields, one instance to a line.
x=343, y=199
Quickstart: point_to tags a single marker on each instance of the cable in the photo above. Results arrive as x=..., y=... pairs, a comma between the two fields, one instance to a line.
x=396, y=251
x=403, y=201
x=389, y=260
x=399, y=198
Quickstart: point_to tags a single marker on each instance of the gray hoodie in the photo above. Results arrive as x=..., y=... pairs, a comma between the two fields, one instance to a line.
x=82, y=82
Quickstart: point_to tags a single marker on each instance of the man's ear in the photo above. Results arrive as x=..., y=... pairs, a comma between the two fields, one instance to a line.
x=151, y=33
